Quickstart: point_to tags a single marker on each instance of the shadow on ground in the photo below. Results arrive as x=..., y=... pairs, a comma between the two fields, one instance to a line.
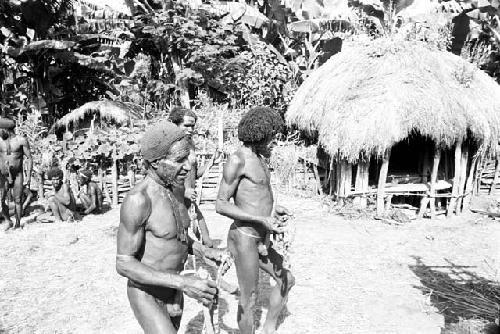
x=459, y=294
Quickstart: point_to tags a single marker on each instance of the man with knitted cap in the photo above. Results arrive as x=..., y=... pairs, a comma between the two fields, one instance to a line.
x=153, y=243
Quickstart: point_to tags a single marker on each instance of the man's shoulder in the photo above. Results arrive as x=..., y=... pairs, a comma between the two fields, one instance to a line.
x=238, y=158
x=137, y=197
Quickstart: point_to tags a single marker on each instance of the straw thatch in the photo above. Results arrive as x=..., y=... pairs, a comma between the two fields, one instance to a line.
x=115, y=111
x=375, y=94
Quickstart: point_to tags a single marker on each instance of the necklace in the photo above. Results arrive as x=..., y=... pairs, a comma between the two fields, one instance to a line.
x=176, y=206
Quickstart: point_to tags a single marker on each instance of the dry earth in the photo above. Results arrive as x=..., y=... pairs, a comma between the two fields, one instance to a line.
x=352, y=276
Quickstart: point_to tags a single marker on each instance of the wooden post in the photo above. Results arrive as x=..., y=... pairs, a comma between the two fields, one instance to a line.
x=361, y=183
x=434, y=173
x=469, y=185
x=456, y=177
x=104, y=186
x=381, y=182
x=345, y=179
x=41, y=190
x=333, y=175
x=318, y=181
x=463, y=178
x=495, y=177
x=114, y=177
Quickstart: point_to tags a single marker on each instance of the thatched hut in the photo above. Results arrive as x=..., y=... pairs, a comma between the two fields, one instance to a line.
x=402, y=112
x=117, y=112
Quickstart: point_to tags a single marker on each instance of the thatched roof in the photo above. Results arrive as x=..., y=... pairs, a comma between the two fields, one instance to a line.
x=374, y=94
x=115, y=111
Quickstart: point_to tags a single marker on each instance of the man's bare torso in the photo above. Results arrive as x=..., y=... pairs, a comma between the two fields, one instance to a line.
x=161, y=250
x=254, y=194
x=11, y=154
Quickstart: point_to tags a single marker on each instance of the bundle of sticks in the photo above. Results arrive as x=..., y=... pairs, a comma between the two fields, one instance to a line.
x=472, y=299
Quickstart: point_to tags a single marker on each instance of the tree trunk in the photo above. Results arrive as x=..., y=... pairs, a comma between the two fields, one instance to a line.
x=182, y=85
x=114, y=178
x=433, y=180
x=381, y=182
x=456, y=178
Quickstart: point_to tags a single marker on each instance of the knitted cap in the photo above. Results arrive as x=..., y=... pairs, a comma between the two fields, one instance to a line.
x=156, y=142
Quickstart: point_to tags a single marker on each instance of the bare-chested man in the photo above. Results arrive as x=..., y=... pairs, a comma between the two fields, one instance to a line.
x=246, y=179
x=13, y=150
x=152, y=236
x=186, y=120
x=90, y=195
x=62, y=202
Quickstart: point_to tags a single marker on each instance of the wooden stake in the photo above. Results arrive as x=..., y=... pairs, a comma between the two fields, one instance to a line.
x=463, y=178
x=434, y=173
x=456, y=178
x=381, y=182
x=495, y=177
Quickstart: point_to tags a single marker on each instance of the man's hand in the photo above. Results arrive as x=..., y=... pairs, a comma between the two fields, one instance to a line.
x=190, y=193
x=281, y=213
x=274, y=225
x=216, y=256
x=207, y=242
x=200, y=289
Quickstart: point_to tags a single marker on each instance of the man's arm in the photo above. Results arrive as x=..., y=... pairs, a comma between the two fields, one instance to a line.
x=134, y=212
x=93, y=198
x=27, y=154
x=231, y=176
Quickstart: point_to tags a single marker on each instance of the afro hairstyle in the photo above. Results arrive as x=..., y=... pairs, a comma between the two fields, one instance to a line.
x=259, y=124
x=177, y=114
x=55, y=172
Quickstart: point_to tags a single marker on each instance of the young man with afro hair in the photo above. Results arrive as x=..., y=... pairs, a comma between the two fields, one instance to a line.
x=246, y=179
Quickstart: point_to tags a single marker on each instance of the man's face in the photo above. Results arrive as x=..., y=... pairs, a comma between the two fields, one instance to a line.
x=4, y=133
x=188, y=125
x=173, y=169
x=56, y=182
x=265, y=149
x=82, y=180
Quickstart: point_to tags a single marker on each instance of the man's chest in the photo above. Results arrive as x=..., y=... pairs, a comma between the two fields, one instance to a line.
x=166, y=218
x=258, y=173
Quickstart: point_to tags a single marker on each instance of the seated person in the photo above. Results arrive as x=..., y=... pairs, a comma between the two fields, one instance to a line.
x=90, y=195
x=62, y=201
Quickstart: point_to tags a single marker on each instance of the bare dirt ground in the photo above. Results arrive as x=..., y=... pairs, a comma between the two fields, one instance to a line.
x=352, y=276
